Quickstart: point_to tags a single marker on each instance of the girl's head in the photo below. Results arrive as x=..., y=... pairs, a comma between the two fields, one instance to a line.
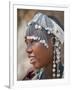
x=43, y=39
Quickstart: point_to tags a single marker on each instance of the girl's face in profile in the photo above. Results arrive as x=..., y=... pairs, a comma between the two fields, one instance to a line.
x=38, y=54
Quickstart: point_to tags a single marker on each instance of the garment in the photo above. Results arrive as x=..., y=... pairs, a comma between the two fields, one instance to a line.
x=43, y=73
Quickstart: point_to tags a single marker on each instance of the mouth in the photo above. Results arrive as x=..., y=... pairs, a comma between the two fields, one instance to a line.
x=32, y=59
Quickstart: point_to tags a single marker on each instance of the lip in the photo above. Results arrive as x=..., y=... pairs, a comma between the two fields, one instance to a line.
x=32, y=59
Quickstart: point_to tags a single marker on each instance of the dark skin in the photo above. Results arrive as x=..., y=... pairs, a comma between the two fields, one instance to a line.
x=39, y=55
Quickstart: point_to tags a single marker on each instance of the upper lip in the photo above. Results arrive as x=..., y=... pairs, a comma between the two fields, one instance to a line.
x=29, y=56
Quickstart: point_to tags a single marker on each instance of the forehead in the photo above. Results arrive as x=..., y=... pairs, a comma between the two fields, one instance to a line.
x=30, y=39
x=37, y=39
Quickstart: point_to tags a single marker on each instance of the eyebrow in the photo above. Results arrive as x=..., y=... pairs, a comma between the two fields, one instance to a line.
x=27, y=39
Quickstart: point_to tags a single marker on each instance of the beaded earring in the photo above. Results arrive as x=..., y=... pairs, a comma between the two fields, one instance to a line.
x=56, y=58
x=54, y=64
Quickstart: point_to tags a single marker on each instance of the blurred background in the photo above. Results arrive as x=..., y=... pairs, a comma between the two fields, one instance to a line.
x=23, y=17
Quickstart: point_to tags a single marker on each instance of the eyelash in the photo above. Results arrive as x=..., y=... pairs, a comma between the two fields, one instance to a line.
x=34, y=41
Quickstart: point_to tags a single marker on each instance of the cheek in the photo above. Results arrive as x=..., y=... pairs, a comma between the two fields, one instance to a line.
x=41, y=54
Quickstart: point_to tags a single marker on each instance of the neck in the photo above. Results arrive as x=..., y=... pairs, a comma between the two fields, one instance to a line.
x=48, y=71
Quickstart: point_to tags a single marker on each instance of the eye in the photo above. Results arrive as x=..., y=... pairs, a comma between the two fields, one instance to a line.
x=30, y=41
x=33, y=41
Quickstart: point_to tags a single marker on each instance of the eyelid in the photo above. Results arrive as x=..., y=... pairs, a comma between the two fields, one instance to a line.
x=34, y=40
x=31, y=42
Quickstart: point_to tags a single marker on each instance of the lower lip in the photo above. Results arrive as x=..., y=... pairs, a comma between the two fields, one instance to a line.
x=32, y=60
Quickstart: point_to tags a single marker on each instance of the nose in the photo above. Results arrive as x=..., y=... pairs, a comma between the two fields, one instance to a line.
x=29, y=49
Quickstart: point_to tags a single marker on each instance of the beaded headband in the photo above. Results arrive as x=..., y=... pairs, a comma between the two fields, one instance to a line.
x=49, y=25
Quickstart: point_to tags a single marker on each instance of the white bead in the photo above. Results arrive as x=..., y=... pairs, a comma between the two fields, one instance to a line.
x=57, y=50
x=57, y=43
x=34, y=38
x=43, y=41
x=39, y=27
x=29, y=23
x=53, y=61
x=54, y=51
x=36, y=26
x=38, y=38
x=49, y=32
x=59, y=47
x=40, y=41
x=53, y=69
x=58, y=75
x=58, y=71
x=47, y=46
x=47, y=28
x=54, y=65
x=53, y=74
x=58, y=56
x=58, y=53
x=57, y=61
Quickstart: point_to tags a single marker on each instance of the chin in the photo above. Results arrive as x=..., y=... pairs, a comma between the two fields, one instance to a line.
x=37, y=66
